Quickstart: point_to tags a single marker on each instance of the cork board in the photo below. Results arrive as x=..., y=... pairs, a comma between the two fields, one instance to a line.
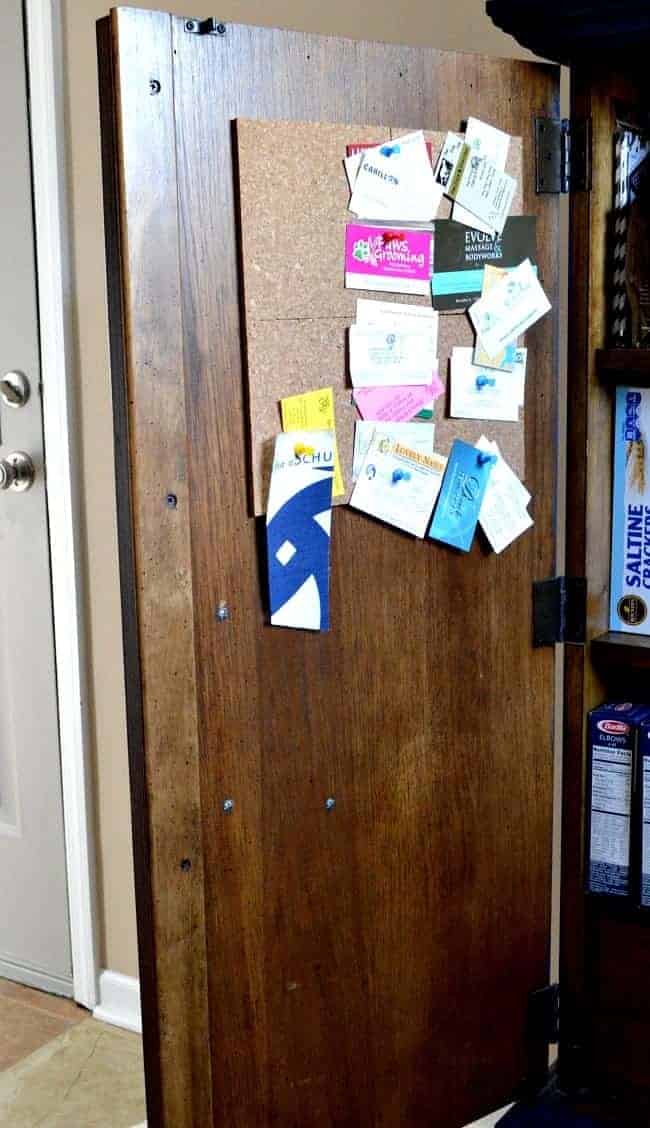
x=293, y=196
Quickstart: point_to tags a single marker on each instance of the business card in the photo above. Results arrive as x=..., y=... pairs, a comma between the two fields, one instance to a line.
x=373, y=313
x=489, y=142
x=388, y=259
x=314, y=411
x=395, y=357
x=415, y=436
x=398, y=485
x=460, y=255
x=399, y=404
x=512, y=306
x=480, y=393
x=298, y=525
x=396, y=178
x=461, y=495
x=475, y=183
x=504, y=512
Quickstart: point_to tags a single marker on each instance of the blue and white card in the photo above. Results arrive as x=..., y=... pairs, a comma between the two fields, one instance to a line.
x=298, y=526
x=461, y=495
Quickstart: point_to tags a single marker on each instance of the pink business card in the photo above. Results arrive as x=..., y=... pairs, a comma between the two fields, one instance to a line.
x=384, y=258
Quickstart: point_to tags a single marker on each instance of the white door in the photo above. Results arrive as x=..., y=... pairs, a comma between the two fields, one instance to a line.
x=34, y=928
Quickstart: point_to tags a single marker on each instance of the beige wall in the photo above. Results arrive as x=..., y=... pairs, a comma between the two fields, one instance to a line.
x=461, y=25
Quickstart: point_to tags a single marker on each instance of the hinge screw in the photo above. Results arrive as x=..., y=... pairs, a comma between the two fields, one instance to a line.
x=222, y=614
x=221, y=29
x=330, y=803
x=227, y=806
x=154, y=86
x=190, y=25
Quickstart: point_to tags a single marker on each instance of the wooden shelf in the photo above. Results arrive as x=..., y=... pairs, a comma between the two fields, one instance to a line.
x=623, y=365
x=618, y=649
x=617, y=908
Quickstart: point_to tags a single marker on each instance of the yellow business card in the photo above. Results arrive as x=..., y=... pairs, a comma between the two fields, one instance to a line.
x=314, y=411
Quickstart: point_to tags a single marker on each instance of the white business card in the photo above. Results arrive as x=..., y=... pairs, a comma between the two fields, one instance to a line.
x=393, y=357
x=504, y=515
x=397, y=315
x=488, y=142
x=482, y=393
x=398, y=485
x=395, y=180
x=512, y=306
x=475, y=183
x=415, y=436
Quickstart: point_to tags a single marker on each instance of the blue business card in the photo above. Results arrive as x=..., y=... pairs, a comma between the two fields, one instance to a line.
x=461, y=495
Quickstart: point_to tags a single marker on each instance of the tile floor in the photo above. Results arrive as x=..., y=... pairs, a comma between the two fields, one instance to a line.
x=60, y=1068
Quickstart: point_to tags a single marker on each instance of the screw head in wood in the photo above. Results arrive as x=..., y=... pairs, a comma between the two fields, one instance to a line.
x=222, y=613
x=330, y=803
x=171, y=501
x=227, y=806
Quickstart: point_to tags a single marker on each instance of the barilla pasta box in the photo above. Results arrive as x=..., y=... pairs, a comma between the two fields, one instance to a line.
x=613, y=735
x=630, y=568
x=643, y=812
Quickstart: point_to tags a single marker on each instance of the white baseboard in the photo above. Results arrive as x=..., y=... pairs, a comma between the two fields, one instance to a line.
x=119, y=1001
x=491, y=1120
x=33, y=977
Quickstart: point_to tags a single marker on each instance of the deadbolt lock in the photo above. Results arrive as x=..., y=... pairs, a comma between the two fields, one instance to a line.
x=16, y=472
x=14, y=389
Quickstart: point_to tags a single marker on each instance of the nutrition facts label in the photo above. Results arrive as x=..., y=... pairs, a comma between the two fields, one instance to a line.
x=611, y=790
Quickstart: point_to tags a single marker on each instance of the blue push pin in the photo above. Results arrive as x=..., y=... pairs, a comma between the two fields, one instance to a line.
x=485, y=382
x=485, y=459
x=389, y=150
x=401, y=476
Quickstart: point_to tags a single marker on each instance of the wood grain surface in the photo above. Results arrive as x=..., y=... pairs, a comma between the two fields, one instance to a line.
x=368, y=964
x=156, y=569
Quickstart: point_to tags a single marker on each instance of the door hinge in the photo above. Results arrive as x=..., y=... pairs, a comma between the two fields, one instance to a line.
x=544, y=1014
x=211, y=26
x=562, y=154
x=559, y=610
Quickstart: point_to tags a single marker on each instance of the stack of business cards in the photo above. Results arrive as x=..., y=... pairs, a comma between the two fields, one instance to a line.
x=394, y=181
x=486, y=393
x=475, y=183
x=504, y=512
x=398, y=485
x=394, y=345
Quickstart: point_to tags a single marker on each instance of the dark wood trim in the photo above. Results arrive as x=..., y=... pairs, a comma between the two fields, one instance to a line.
x=624, y=365
x=572, y=920
x=140, y=820
x=616, y=649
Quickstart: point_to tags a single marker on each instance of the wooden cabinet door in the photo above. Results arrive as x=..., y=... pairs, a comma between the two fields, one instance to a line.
x=370, y=964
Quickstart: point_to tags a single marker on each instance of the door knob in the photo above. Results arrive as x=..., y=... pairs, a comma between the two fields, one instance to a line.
x=16, y=472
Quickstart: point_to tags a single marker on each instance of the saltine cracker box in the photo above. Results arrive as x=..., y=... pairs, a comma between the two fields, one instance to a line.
x=630, y=562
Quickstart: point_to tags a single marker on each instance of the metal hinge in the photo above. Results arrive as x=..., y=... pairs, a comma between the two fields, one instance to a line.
x=562, y=154
x=544, y=1014
x=211, y=26
x=559, y=610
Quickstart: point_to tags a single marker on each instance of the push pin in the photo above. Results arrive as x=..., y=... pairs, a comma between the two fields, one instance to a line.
x=389, y=150
x=485, y=382
x=485, y=459
x=300, y=449
x=401, y=476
